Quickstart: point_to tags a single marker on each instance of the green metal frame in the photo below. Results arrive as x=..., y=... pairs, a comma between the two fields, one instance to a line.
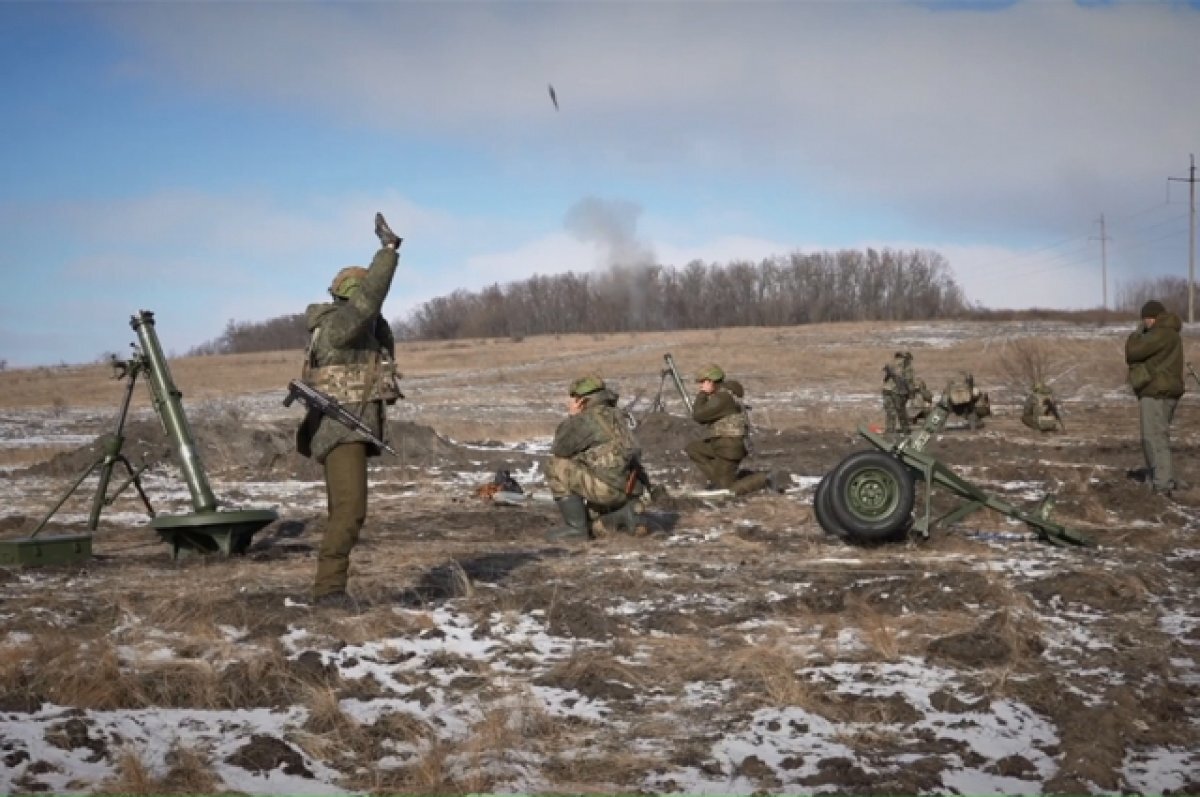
x=911, y=451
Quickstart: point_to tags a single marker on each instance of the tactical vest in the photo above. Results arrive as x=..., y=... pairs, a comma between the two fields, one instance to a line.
x=610, y=460
x=732, y=425
x=372, y=379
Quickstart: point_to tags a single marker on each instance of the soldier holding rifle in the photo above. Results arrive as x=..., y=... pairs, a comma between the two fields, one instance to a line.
x=897, y=387
x=350, y=359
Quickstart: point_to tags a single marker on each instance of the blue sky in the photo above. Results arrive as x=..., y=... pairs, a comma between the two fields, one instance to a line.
x=215, y=161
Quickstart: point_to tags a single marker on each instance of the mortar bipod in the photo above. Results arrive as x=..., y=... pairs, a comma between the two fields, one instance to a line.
x=110, y=455
x=58, y=549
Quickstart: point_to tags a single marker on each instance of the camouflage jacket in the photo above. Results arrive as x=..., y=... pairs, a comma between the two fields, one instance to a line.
x=1160, y=350
x=721, y=411
x=352, y=333
x=599, y=438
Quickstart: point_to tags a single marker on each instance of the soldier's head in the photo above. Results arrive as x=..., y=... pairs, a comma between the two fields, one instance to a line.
x=710, y=373
x=585, y=386
x=347, y=281
x=1039, y=387
x=1151, y=310
x=903, y=356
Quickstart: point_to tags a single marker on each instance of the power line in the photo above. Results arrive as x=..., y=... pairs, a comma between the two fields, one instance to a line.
x=1191, y=181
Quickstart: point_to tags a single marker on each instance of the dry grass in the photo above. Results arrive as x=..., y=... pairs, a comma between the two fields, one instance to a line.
x=189, y=771
x=879, y=631
x=772, y=671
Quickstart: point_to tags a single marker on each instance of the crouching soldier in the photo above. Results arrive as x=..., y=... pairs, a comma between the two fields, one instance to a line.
x=718, y=406
x=1040, y=411
x=594, y=465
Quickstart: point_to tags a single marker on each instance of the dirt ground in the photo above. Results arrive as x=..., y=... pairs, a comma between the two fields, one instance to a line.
x=736, y=648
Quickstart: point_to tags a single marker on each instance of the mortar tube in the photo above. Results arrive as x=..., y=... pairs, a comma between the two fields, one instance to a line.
x=168, y=403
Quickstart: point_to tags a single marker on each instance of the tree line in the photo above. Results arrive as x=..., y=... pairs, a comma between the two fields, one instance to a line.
x=778, y=291
x=848, y=285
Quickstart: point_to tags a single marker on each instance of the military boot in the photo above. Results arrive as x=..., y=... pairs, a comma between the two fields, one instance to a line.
x=623, y=519
x=574, y=515
x=752, y=483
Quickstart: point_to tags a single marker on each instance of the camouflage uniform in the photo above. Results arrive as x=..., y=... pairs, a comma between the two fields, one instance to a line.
x=1154, y=354
x=720, y=453
x=593, y=454
x=350, y=355
x=1038, y=412
x=968, y=401
x=896, y=392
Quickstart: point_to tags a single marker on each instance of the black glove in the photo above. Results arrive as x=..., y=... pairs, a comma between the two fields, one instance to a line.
x=386, y=236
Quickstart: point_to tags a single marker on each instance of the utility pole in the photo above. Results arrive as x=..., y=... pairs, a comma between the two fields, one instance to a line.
x=1103, y=262
x=1191, y=180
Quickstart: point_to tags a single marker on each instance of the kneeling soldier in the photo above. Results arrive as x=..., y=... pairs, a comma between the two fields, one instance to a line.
x=719, y=407
x=594, y=462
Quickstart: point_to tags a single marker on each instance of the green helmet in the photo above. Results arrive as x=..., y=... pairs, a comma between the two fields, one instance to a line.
x=712, y=372
x=586, y=385
x=1039, y=387
x=347, y=281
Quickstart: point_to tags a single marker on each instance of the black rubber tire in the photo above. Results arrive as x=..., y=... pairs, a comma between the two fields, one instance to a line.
x=824, y=511
x=871, y=494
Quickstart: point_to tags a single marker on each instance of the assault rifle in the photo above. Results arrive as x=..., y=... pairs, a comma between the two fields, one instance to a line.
x=901, y=383
x=329, y=407
x=1052, y=405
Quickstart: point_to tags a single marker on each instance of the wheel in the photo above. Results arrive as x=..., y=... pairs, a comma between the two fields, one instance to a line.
x=822, y=505
x=824, y=511
x=871, y=495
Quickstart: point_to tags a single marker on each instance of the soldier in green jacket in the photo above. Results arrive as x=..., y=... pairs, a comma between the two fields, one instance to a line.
x=718, y=406
x=351, y=357
x=594, y=462
x=1154, y=354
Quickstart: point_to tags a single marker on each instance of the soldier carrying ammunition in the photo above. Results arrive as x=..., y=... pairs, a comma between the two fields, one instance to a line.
x=1041, y=411
x=718, y=406
x=898, y=383
x=350, y=358
x=595, y=469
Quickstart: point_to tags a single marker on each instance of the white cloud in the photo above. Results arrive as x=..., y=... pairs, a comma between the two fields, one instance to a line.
x=964, y=119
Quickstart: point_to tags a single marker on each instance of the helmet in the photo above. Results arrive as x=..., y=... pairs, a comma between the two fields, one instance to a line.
x=586, y=385
x=1039, y=387
x=712, y=372
x=347, y=281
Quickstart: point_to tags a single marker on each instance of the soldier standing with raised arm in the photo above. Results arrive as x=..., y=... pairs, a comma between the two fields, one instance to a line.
x=350, y=357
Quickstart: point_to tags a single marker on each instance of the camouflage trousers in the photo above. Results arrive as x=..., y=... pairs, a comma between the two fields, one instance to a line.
x=718, y=459
x=1156, y=416
x=565, y=477
x=346, y=494
x=895, y=411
